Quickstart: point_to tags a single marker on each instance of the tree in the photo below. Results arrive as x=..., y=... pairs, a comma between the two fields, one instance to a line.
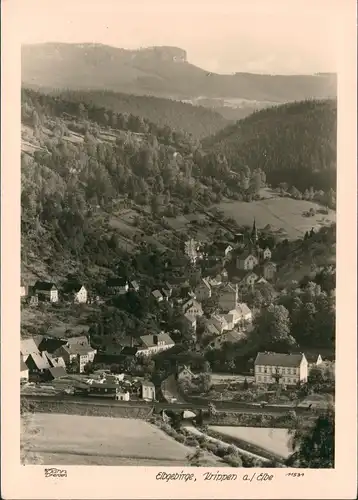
x=313, y=446
x=272, y=328
x=195, y=458
x=245, y=384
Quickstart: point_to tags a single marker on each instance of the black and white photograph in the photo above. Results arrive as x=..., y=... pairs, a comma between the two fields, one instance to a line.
x=178, y=235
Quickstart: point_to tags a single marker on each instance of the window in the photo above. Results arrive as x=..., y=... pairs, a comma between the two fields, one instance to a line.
x=259, y=378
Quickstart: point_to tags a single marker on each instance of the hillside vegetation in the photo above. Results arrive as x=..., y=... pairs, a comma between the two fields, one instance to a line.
x=293, y=143
x=195, y=120
x=161, y=71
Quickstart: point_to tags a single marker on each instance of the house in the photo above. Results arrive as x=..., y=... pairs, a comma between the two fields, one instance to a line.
x=28, y=347
x=56, y=372
x=223, y=250
x=133, y=285
x=122, y=395
x=152, y=344
x=244, y=313
x=190, y=320
x=313, y=360
x=193, y=308
x=46, y=291
x=117, y=286
x=185, y=373
x=148, y=390
x=211, y=329
x=219, y=322
x=246, y=261
x=24, y=371
x=33, y=300
x=191, y=250
x=288, y=369
x=227, y=337
x=166, y=294
x=157, y=295
x=203, y=290
x=269, y=270
x=71, y=352
x=228, y=297
x=79, y=294
x=37, y=364
x=248, y=280
x=266, y=254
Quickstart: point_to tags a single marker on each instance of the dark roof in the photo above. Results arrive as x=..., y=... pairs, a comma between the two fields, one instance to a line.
x=116, y=282
x=50, y=344
x=312, y=358
x=149, y=340
x=73, y=287
x=41, y=362
x=279, y=359
x=58, y=372
x=44, y=286
x=129, y=351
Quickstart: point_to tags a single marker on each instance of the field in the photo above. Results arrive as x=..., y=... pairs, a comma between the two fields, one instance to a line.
x=284, y=215
x=272, y=440
x=53, y=439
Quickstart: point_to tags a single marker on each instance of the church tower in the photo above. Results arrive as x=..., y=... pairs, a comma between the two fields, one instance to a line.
x=254, y=236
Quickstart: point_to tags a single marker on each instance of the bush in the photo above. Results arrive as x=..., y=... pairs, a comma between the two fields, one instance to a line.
x=233, y=460
x=180, y=438
x=192, y=442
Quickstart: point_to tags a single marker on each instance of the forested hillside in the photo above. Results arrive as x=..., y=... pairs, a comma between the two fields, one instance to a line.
x=292, y=143
x=195, y=120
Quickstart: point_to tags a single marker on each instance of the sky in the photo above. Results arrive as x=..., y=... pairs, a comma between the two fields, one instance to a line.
x=225, y=36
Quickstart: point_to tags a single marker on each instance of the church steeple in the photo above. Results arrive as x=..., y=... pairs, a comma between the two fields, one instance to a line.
x=254, y=236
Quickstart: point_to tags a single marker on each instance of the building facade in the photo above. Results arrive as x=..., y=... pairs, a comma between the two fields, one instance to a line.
x=287, y=369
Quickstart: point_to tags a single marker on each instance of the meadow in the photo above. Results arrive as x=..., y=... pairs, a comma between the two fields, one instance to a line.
x=272, y=440
x=283, y=215
x=55, y=439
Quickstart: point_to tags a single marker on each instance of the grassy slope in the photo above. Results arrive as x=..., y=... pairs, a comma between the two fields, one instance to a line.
x=78, y=440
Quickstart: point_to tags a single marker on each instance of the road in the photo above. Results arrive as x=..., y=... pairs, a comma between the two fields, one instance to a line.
x=221, y=406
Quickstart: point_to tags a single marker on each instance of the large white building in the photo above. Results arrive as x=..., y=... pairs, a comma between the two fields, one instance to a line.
x=288, y=369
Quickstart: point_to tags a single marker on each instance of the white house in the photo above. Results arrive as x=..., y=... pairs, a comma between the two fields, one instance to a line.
x=203, y=290
x=158, y=296
x=267, y=254
x=80, y=295
x=152, y=344
x=185, y=374
x=193, y=307
x=24, y=371
x=313, y=360
x=288, y=369
x=148, y=390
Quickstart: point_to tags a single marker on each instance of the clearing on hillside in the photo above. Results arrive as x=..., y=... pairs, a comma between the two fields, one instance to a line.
x=280, y=213
x=272, y=440
x=81, y=440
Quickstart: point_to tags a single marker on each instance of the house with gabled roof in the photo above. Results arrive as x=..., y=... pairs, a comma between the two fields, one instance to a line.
x=24, y=371
x=46, y=291
x=83, y=354
x=247, y=260
x=154, y=343
x=192, y=307
x=77, y=291
x=269, y=270
x=287, y=369
x=27, y=347
x=117, y=286
x=157, y=295
x=228, y=297
x=203, y=290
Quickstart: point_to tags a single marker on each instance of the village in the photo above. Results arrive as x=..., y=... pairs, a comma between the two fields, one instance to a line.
x=70, y=360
